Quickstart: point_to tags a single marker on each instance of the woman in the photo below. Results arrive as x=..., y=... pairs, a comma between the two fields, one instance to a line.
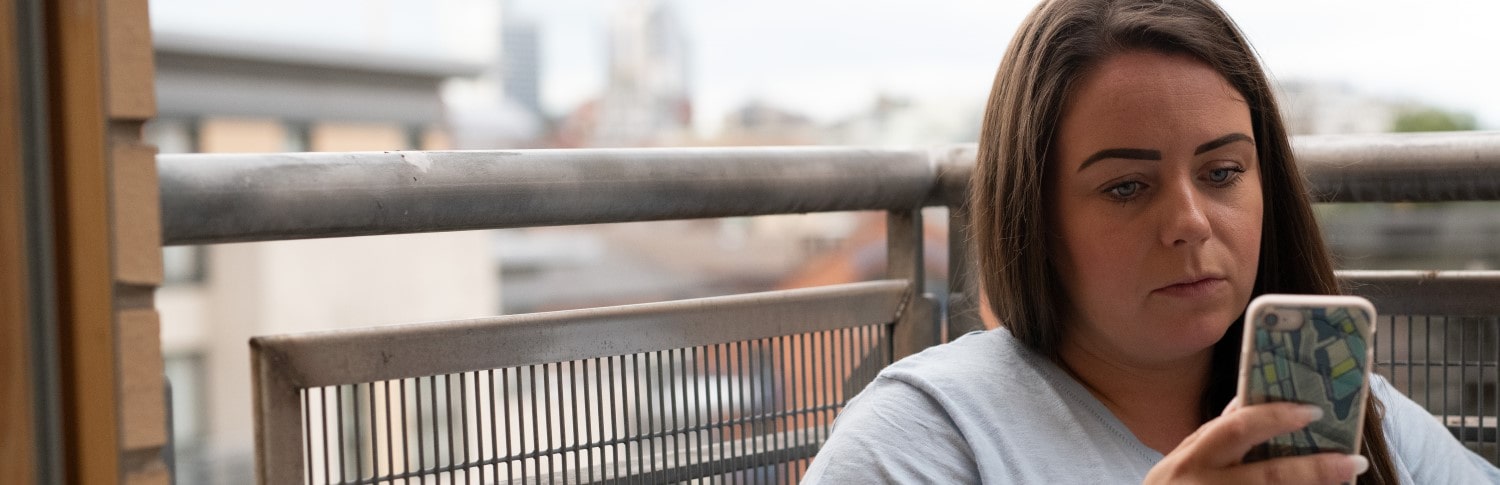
x=1135, y=189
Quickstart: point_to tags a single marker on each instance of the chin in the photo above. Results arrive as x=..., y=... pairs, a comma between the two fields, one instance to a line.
x=1197, y=333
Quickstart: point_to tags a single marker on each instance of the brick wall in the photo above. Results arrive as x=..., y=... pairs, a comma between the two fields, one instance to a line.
x=136, y=249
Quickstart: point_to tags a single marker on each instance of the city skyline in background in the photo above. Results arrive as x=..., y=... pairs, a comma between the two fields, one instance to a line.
x=831, y=62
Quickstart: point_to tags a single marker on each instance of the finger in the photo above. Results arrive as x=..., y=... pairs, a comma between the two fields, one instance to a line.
x=1233, y=405
x=1319, y=468
x=1226, y=439
x=1192, y=438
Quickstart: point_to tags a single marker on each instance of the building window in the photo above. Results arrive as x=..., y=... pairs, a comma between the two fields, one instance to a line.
x=184, y=374
x=183, y=265
x=414, y=137
x=298, y=137
x=172, y=135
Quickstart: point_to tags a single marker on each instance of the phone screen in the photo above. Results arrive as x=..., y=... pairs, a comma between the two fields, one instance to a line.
x=1313, y=350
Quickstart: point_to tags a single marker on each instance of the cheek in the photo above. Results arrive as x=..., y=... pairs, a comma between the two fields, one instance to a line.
x=1094, y=253
x=1247, y=238
x=1242, y=233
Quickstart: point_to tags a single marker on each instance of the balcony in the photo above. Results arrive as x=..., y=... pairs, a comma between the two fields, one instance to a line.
x=740, y=387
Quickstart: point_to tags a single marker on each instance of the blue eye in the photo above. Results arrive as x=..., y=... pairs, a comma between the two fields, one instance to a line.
x=1125, y=190
x=1224, y=175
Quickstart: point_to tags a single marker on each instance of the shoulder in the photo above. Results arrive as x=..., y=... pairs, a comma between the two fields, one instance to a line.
x=967, y=376
x=975, y=407
x=984, y=362
x=905, y=427
x=1422, y=447
x=893, y=432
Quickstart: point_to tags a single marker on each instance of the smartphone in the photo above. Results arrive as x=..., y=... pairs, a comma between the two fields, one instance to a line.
x=1312, y=349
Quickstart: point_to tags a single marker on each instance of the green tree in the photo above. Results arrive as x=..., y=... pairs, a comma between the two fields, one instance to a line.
x=1432, y=119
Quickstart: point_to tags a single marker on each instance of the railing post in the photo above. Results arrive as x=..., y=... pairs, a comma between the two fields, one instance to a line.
x=278, y=443
x=954, y=165
x=963, y=288
x=916, y=327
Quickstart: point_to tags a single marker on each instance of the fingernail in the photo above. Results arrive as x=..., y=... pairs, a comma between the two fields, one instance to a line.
x=1311, y=412
x=1359, y=463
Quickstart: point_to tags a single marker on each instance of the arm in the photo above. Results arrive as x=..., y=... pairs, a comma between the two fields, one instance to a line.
x=893, y=433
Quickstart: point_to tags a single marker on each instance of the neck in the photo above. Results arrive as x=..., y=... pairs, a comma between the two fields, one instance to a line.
x=1159, y=401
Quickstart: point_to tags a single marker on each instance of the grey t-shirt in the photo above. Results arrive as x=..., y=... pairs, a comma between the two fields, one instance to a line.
x=985, y=409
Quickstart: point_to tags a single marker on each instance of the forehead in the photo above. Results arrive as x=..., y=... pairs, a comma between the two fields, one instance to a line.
x=1150, y=100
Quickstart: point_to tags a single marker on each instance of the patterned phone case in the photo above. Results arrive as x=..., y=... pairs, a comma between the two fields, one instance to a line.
x=1325, y=360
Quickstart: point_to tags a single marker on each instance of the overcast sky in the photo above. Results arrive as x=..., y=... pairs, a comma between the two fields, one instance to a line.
x=829, y=58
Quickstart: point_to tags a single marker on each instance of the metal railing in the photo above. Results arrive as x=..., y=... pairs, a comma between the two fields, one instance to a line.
x=744, y=386
x=1438, y=341
x=216, y=198
x=724, y=386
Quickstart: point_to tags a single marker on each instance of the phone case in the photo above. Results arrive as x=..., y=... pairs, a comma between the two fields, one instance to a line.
x=1312, y=349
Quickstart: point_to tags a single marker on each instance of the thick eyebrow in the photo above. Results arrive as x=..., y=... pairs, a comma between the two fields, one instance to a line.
x=1129, y=153
x=1221, y=141
x=1145, y=154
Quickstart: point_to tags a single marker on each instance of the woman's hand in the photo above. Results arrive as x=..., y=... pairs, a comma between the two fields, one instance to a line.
x=1212, y=454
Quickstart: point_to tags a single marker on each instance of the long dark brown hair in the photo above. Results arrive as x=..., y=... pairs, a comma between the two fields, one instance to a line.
x=1057, y=44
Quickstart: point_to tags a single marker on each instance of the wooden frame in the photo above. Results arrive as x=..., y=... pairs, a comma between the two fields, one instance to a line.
x=81, y=189
x=18, y=460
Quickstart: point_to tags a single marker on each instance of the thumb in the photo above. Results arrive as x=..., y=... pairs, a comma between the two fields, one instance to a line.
x=1233, y=405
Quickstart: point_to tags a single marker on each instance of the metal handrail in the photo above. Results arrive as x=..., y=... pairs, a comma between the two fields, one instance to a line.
x=1407, y=167
x=397, y=351
x=1426, y=292
x=257, y=197
x=217, y=198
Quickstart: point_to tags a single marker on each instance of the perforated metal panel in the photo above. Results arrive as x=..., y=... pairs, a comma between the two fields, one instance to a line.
x=1448, y=365
x=743, y=412
x=740, y=389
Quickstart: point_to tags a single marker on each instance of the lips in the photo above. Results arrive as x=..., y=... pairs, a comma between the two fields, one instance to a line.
x=1193, y=287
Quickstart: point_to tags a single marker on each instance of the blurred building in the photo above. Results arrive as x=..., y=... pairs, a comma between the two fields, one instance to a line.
x=761, y=123
x=902, y=121
x=1320, y=108
x=520, y=59
x=502, y=107
x=558, y=268
x=217, y=96
x=648, y=99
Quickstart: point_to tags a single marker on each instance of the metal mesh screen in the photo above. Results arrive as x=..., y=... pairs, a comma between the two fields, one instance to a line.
x=743, y=412
x=1448, y=365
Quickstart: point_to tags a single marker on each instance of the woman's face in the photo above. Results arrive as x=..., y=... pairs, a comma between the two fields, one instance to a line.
x=1155, y=207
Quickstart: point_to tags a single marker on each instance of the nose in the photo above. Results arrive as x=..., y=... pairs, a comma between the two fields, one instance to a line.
x=1184, y=222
